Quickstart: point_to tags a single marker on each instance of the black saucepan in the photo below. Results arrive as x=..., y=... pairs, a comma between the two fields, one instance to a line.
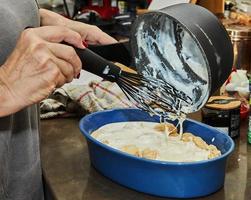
x=186, y=46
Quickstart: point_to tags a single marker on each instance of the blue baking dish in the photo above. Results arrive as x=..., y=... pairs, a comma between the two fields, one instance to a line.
x=161, y=178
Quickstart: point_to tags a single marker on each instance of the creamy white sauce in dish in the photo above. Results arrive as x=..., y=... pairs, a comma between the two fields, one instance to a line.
x=147, y=140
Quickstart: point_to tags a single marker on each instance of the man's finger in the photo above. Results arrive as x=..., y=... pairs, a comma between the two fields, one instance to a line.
x=106, y=39
x=57, y=34
x=66, y=69
x=68, y=54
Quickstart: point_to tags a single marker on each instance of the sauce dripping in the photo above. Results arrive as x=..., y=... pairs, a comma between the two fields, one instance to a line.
x=180, y=117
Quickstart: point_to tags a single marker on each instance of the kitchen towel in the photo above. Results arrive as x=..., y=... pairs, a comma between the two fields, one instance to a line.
x=86, y=95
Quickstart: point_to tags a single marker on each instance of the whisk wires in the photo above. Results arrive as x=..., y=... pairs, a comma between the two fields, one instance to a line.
x=152, y=95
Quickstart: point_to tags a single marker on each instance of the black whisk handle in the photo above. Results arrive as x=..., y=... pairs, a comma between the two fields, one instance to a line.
x=96, y=64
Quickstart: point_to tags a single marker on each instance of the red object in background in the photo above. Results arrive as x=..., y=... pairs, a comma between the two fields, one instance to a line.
x=229, y=78
x=105, y=11
x=244, y=110
x=149, y=1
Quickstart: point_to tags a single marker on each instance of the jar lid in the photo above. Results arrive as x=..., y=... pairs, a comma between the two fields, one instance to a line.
x=239, y=31
x=222, y=103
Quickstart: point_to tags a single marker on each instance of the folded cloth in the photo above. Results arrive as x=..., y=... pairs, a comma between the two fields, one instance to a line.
x=77, y=99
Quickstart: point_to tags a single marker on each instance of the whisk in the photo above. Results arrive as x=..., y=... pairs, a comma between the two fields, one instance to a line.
x=150, y=94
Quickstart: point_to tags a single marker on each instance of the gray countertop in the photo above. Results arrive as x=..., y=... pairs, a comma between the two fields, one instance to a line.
x=70, y=176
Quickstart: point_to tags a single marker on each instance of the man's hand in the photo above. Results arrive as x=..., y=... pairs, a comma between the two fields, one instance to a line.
x=89, y=33
x=38, y=64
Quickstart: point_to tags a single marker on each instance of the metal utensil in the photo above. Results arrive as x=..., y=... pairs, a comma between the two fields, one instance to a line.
x=149, y=94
